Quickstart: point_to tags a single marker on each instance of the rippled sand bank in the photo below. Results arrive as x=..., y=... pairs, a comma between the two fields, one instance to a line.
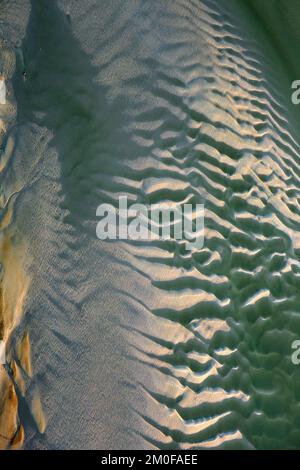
x=147, y=344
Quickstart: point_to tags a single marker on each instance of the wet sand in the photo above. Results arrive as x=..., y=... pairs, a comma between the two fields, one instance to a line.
x=124, y=344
